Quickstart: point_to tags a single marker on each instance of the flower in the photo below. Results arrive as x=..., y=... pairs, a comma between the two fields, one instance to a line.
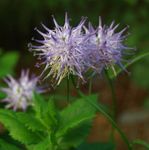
x=61, y=50
x=20, y=92
x=105, y=47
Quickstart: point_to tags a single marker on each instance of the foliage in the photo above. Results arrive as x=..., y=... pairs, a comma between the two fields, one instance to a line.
x=8, y=62
x=7, y=146
x=46, y=127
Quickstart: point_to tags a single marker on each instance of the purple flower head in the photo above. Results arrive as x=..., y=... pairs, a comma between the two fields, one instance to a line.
x=61, y=50
x=105, y=47
x=20, y=92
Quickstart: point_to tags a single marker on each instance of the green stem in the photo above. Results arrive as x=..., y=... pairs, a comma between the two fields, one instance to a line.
x=68, y=91
x=111, y=84
x=90, y=87
x=107, y=116
x=114, y=108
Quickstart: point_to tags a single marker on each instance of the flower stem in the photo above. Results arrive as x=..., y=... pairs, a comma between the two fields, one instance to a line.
x=114, y=108
x=68, y=91
x=111, y=84
x=90, y=87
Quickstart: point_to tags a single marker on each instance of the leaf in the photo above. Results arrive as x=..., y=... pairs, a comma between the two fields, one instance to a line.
x=8, y=62
x=30, y=121
x=96, y=146
x=7, y=146
x=134, y=60
x=75, y=136
x=45, y=112
x=43, y=145
x=75, y=114
x=17, y=129
x=141, y=142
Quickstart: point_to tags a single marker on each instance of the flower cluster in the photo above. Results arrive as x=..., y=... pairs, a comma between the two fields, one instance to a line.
x=20, y=92
x=74, y=50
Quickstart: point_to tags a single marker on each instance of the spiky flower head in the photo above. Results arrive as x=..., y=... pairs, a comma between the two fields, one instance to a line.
x=61, y=50
x=20, y=92
x=106, y=47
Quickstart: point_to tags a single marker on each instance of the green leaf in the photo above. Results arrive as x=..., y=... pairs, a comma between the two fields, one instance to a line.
x=30, y=122
x=7, y=146
x=46, y=112
x=134, y=60
x=17, y=129
x=75, y=136
x=43, y=145
x=96, y=146
x=8, y=62
x=141, y=142
x=79, y=112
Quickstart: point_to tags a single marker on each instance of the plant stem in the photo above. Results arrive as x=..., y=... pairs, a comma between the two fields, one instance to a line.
x=114, y=108
x=90, y=86
x=68, y=91
x=111, y=84
x=106, y=115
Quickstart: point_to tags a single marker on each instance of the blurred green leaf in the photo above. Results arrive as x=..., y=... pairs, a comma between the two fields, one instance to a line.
x=8, y=62
x=141, y=142
x=146, y=103
x=133, y=61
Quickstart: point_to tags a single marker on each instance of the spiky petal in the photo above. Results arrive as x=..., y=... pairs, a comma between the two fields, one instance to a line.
x=61, y=51
x=105, y=47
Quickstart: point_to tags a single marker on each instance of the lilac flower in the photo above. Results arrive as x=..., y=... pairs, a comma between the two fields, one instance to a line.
x=20, y=93
x=61, y=50
x=105, y=47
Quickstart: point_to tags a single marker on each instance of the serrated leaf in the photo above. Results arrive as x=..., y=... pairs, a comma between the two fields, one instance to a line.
x=96, y=146
x=17, y=129
x=75, y=114
x=8, y=62
x=30, y=122
x=75, y=136
x=7, y=146
x=45, y=111
x=43, y=145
